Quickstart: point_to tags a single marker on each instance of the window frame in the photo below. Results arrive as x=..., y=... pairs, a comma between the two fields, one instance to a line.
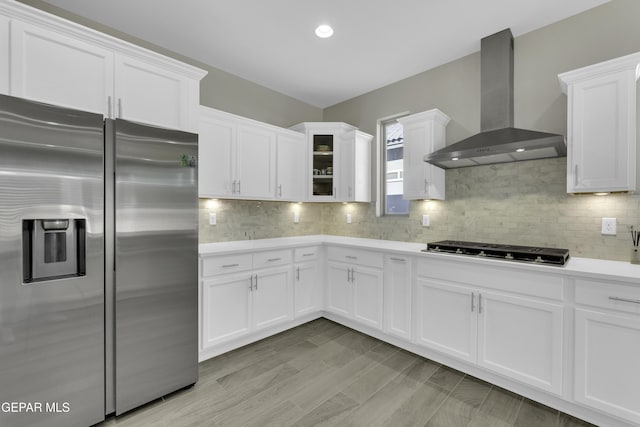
x=381, y=169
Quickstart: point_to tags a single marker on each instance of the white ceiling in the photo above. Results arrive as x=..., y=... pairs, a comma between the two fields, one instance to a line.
x=272, y=42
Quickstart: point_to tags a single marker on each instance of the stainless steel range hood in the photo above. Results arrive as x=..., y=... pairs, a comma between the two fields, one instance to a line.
x=498, y=141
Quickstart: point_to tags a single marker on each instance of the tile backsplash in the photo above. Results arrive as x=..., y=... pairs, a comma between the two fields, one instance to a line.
x=515, y=203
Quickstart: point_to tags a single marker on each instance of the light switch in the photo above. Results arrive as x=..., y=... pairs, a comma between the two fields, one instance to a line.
x=212, y=218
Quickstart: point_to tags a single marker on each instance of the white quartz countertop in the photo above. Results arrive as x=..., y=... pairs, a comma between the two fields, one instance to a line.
x=582, y=267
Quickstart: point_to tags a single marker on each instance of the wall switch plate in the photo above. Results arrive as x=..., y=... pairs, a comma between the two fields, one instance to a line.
x=426, y=221
x=349, y=218
x=212, y=219
x=296, y=217
x=609, y=226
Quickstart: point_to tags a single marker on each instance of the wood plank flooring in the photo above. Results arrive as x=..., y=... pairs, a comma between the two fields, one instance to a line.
x=324, y=374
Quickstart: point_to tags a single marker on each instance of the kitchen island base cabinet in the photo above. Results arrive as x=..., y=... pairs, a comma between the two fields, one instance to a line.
x=607, y=362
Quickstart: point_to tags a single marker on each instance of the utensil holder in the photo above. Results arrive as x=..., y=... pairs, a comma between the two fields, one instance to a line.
x=635, y=255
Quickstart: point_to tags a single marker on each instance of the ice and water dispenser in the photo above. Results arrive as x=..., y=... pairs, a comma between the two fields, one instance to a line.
x=53, y=248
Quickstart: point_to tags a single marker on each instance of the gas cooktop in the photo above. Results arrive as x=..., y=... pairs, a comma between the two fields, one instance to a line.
x=531, y=254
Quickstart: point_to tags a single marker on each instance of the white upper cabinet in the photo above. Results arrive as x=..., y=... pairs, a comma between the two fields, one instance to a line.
x=424, y=133
x=339, y=162
x=216, y=153
x=255, y=162
x=601, y=127
x=152, y=94
x=59, y=62
x=240, y=158
x=4, y=54
x=48, y=66
x=291, y=165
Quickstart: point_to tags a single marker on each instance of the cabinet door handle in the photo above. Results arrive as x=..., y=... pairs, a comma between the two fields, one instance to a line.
x=426, y=186
x=251, y=283
x=256, y=282
x=233, y=187
x=348, y=274
x=239, y=188
x=298, y=274
x=632, y=301
x=479, y=303
x=397, y=259
x=230, y=265
x=108, y=107
x=473, y=301
x=575, y=176
x=335, y=195
x=280, y=190
x=274, y=259
x=120, y=107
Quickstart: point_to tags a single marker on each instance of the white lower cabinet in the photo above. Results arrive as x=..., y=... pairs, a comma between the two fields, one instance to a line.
x=226, y=308
x=355, y=288
x=445, y=318
x=516, y=336
x=271, y=297
x=240, y=302
x=397, y=295
x=307, y=282
x=607, y=349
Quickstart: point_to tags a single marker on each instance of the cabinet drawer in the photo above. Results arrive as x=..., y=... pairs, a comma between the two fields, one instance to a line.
x=355, y=256
x=306, y=254
x=608, y=295
x=271, y=258
x=225, y=264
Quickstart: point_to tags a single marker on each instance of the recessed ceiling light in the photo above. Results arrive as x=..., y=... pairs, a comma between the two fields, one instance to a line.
x=324, y=31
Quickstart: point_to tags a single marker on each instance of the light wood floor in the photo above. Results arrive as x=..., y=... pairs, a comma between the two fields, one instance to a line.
x=322, y=373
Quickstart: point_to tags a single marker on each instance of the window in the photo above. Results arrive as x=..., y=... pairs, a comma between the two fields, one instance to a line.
x=391, y=153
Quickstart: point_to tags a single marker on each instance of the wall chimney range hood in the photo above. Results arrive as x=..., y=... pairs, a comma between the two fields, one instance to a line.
x=498, y=141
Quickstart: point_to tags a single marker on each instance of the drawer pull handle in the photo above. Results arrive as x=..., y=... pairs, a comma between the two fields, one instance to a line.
x=274, y=259
x=351, y=257
x=397, y=259
x=633, y=301
x=308, y=254
x=230, y=265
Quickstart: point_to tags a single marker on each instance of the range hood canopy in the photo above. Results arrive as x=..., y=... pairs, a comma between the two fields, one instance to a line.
x=498, y=141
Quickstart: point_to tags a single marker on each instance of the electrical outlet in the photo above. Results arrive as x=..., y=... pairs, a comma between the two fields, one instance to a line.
x=609, y=226
x=296, y=217
x=426, y=221
x=212, y=219
x=349, y=218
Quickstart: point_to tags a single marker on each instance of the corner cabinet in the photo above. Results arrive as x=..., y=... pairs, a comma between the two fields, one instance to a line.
x=601, y=127
x=339, y=162
x=424, y=133
x=59, y=62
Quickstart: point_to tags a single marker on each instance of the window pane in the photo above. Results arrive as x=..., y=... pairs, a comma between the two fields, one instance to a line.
x=393, y=154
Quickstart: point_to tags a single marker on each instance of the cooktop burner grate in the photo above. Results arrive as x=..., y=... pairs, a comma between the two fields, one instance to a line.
x=532, y=254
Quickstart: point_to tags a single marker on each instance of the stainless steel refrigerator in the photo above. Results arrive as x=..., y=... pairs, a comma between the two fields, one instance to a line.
x=98, y=264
